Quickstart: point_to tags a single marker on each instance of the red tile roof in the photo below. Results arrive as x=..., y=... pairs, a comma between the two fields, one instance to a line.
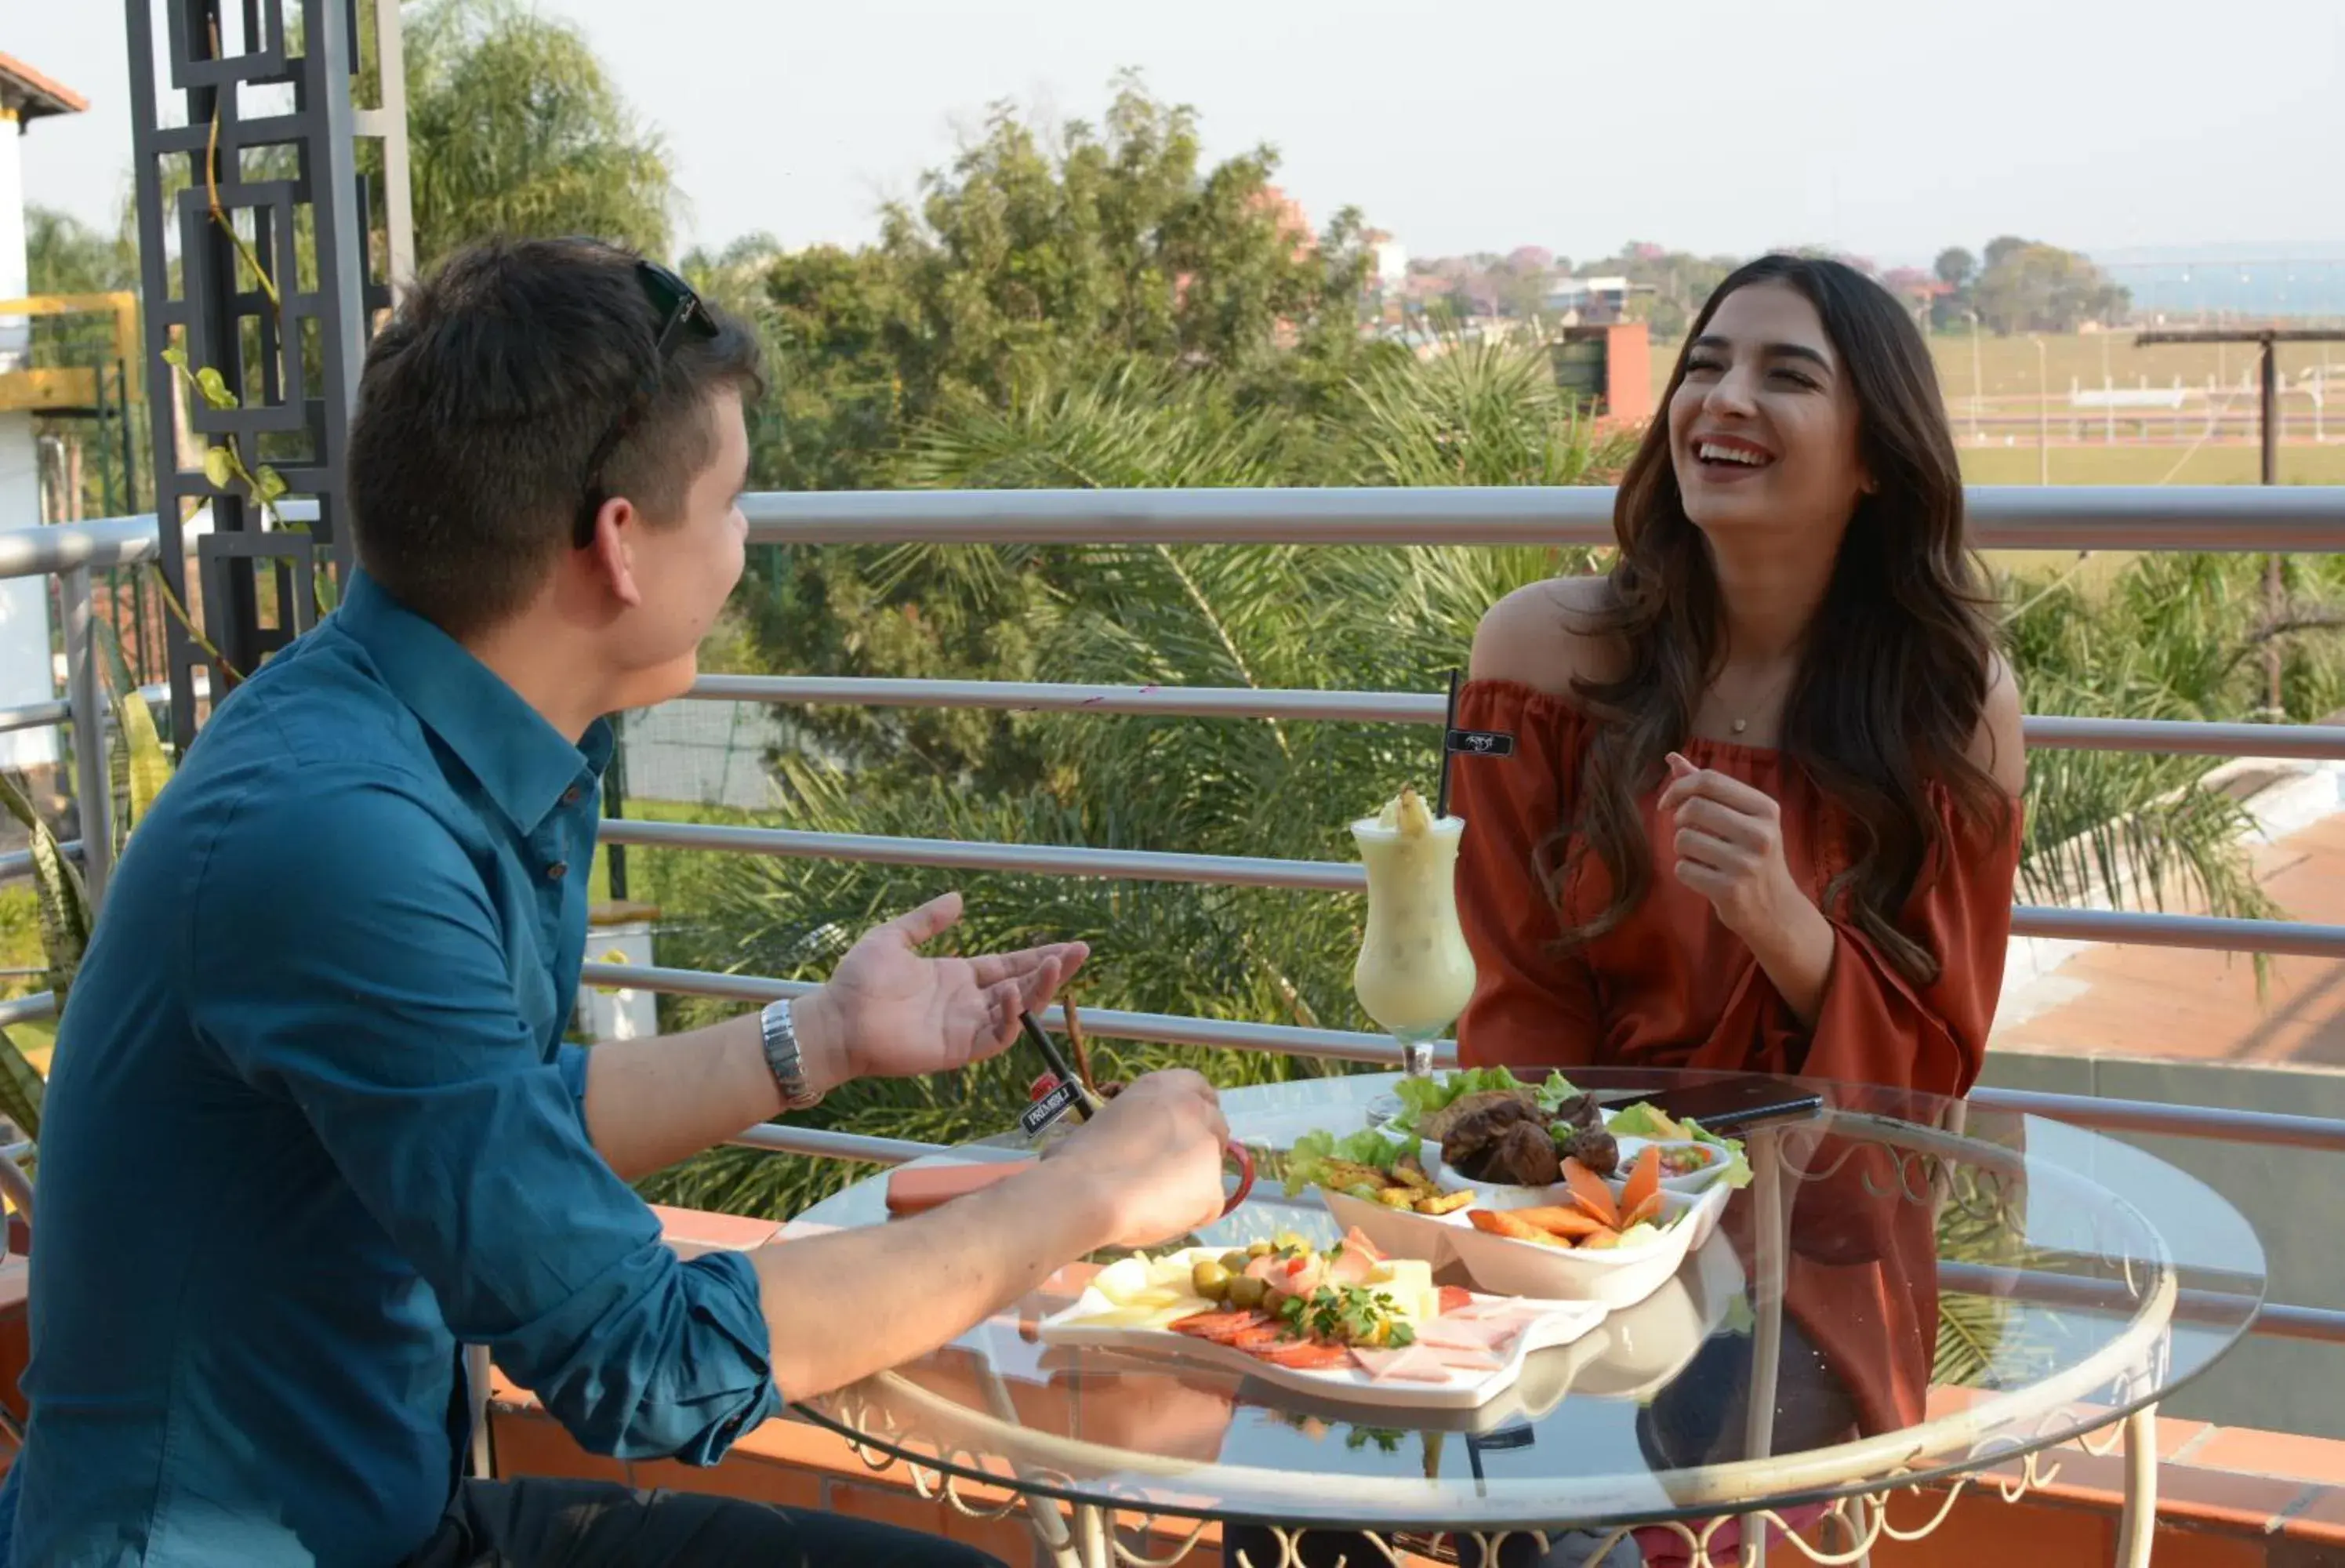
x=33, y=95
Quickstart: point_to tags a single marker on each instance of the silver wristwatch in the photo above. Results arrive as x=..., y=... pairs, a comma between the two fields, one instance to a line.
x=781, y=1037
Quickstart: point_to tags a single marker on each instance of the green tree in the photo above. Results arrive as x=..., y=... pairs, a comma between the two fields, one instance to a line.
x=1268, y=616
x=514, y=128
x=2027, y=285
x=1029, y=271
x=1955, y=267
x=64, y=255
x=1114, y=241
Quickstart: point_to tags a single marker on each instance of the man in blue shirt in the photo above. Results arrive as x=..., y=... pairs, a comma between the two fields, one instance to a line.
x=313, y=1125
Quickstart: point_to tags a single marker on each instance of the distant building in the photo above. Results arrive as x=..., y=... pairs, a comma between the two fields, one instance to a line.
x=1592, y=302
x=1387, y=263
x=1609, y=368
x=26, y=673
x=1291, y=218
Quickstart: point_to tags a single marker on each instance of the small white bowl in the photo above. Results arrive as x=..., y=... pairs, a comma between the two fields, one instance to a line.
x=1618, y=1277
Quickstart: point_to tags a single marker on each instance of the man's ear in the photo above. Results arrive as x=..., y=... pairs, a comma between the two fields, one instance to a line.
x=612, y=555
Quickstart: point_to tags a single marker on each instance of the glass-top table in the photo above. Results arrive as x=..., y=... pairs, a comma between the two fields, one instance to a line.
x=1909, y=1290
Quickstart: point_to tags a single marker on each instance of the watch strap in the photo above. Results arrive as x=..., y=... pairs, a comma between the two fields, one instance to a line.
x=783, y=1057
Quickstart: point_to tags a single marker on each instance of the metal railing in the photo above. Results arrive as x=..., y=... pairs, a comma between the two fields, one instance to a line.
x=2223, y=519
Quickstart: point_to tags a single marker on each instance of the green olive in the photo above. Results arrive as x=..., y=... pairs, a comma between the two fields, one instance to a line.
x=1235, y=1261
x=1259, y=1249
x=1245, y=1291
x=1211, y=1280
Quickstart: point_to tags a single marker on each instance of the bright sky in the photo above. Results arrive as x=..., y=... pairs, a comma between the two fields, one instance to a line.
x=1890, y=130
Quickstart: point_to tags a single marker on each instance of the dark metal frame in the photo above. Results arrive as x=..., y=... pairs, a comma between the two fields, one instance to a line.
x=298, y=381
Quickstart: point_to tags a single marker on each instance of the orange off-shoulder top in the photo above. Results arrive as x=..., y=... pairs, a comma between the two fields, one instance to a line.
x=1673, y=986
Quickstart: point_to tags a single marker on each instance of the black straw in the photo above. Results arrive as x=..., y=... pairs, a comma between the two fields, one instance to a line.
x=1056, y=1063
x=1448, y=723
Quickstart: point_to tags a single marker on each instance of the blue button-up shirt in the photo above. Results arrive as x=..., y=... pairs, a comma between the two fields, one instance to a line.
x=313, y=1123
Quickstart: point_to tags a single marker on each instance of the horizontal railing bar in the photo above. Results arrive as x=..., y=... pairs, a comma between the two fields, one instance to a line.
x=60, y=547
x=1062, y=860
x=2315, y=742
x=2257, y=1126
x=2217, y=934
x=2279, y=1321
x=1158, y=1028
x=2278, y=1129
x=2191, y=1305
x=33, y=715
x=2287, y=938
x=29, y=1009
x=19, y=862
x=2312, y=742
x=2292, y=518
x=820, y=1143
x=1038, y=696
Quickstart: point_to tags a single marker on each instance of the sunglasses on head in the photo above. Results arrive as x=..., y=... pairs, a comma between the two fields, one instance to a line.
x=680, y=311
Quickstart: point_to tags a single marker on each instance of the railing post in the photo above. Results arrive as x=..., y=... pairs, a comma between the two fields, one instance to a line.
x=93, y=786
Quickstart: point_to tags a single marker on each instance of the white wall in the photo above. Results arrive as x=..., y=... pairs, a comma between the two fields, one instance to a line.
x=26, y=675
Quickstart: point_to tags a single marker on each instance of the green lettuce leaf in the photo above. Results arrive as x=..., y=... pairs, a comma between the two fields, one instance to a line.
x=1420, y=1097
x=1307, y=1160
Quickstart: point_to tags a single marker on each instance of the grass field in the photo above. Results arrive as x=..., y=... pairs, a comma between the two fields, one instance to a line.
x=2299, y=463
x=2007, y=385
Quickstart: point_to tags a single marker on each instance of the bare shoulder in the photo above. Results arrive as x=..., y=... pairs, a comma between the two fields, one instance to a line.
x=1538, y=635
x=1997, y=746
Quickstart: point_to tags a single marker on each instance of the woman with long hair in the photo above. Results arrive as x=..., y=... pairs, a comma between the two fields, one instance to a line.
x=1761, y=812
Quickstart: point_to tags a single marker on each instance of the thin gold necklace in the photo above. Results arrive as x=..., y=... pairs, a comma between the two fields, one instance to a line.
x=1738, y=726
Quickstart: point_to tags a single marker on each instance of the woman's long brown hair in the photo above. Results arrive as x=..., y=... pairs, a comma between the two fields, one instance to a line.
x=1892, y=677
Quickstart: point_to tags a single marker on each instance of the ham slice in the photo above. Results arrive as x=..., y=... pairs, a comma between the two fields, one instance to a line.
x=1414, y=1363
x=1485, y=1337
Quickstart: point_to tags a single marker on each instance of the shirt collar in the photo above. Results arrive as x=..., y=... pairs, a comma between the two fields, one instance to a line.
x=521, y=762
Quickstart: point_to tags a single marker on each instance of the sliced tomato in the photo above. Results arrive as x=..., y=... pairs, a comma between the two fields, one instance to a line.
x=1262, y=1338
x=1453, y=1297
x=1307, y=1354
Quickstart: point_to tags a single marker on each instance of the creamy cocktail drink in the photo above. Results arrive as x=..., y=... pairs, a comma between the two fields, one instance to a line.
x=1415, y=975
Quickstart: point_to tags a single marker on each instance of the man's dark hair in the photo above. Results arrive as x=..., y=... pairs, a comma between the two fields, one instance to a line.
x=482, y=401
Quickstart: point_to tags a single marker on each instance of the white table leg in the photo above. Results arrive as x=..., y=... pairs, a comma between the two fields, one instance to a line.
x=1770, y=1240
x=1094, y=1536
x=2137, y=1527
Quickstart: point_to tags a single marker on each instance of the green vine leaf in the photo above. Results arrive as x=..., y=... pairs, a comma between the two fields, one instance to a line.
x=219, y=467
x=176, y=356
x=21, y=1086
x=214, y=387
x=267, y=484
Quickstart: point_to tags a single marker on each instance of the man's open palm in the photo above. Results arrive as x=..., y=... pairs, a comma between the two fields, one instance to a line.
x=902, y=1015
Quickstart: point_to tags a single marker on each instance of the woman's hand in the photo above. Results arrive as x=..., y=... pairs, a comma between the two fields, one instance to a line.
x=1728, y=845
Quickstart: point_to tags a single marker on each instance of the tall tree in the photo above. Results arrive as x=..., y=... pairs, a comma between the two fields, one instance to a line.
x=2031, y=287
x=1110, y=240
x=514, y=128
x=1955, y=267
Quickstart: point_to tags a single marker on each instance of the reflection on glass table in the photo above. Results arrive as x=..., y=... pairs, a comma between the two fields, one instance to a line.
x=1907, y=1291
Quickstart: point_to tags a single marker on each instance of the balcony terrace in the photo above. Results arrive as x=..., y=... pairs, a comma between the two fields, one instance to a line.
x=2148, y=1026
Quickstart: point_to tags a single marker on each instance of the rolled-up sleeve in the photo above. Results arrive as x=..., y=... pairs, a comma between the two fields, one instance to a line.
x=365, y=981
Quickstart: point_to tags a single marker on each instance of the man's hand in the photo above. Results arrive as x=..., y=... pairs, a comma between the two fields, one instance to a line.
x=887, y=1012
x=1153, y=1155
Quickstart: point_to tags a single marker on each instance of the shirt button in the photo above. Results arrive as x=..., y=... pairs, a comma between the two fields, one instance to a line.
x=557, y=871
x=570, y=795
